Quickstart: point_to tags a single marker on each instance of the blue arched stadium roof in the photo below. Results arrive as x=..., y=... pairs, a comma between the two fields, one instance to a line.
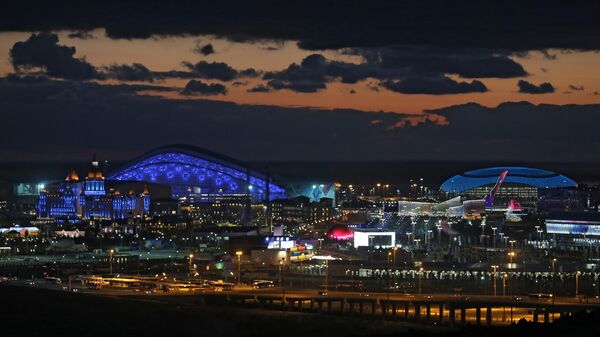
x=520, y=175
x=186, y=168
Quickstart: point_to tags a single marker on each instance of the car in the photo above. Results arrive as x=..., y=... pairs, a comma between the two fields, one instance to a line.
x=75, y=290
x=322, y=293
x=540, y=296
x=261, y=284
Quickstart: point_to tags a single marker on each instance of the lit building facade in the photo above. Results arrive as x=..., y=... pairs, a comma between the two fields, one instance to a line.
x=521, y=184
x=89, y=199
x=302, y=210
x=197, y=175
x=572, y=229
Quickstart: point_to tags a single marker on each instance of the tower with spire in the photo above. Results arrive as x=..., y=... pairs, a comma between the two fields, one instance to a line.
x=94, y=181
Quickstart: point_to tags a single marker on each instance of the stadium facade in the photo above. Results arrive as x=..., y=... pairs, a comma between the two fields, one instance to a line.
x=521, y=183
x=198, y=175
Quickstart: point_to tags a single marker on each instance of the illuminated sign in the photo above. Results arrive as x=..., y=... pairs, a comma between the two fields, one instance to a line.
x=374, y=239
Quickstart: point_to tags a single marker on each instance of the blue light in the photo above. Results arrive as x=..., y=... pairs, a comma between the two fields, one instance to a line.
x=186, y=173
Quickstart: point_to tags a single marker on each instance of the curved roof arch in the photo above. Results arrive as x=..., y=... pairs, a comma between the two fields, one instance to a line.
x=520, y=175
x=187, y=167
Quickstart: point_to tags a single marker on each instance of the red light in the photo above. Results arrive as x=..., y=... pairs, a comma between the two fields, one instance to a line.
x=340, y=233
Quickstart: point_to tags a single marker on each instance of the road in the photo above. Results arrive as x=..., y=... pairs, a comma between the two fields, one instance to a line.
x=503, y=309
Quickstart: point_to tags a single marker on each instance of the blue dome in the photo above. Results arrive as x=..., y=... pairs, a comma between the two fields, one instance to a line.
x=194, y=172
x=519, y=175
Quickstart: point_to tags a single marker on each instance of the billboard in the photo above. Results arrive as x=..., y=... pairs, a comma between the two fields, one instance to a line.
x=315, y=192
x=374, y=239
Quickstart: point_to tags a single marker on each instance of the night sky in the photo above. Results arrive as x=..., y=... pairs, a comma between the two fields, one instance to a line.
x=302, y=80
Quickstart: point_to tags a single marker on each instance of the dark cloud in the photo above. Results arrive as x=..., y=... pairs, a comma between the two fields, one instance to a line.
x=42, y=51
x=441, y=134
x=174, y=74
x=215, y=70
x=530, y=88
x=432, y=61
x=304, y=86
x=133, y=72
x=547, y=55
x=576, y=87
x=433, y=86
x=512, y=25
x=259, y=88
x=205, y=50
x=219, y=71
x=81, y=34
x=195, y=87
x=398, y=71
x=250, y=72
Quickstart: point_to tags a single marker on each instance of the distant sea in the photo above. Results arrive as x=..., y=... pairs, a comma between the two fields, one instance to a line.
x=397, y=172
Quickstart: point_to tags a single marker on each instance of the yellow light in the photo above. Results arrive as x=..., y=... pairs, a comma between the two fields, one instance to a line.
x=238, y=253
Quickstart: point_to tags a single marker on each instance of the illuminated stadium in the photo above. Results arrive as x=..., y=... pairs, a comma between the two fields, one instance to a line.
x=198, y=175
x=521, y=183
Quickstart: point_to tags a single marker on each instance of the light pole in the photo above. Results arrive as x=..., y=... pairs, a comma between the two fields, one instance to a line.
x=110, y=261
x=388, y=275
x=504, y=276
x=282, y=280
x=577, y=283
x=494, y=268
x=553, y=286
x=428, y=237
x=420, y=277
x=510, y=256
x=191, y=259
x=494, y=237
x=239, y=263
x=395, y=249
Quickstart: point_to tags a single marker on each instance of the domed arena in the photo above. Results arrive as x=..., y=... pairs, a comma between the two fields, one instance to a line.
x=198, y=175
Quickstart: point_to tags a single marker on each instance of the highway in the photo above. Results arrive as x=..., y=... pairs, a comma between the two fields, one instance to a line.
x=414, y=307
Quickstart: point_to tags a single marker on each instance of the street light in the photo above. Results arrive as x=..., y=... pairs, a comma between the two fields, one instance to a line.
x=239, y=257
x=282, y=281
x=494, y=268
x=511, y=254
x=553, y=286
x=577, y=283
x=420, y=276
x=504, y=276
x=388, y=275
x=191, y=257
x=395, y=249
x=110, y=261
